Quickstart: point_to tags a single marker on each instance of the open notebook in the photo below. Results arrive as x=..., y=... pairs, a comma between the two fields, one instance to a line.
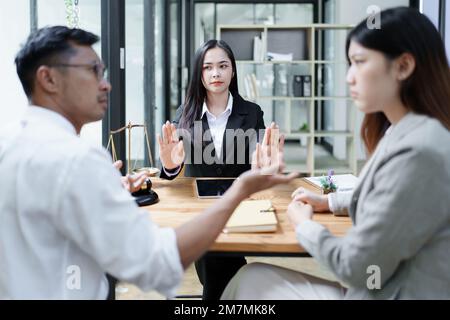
x=252, y=216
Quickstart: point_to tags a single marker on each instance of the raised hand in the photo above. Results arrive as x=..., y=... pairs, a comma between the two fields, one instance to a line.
x=171, y=149
x=270, y=151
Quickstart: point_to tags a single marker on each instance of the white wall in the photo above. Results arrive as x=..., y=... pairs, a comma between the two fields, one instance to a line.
x=431, y=9
x=53, y=12
x=14, y=28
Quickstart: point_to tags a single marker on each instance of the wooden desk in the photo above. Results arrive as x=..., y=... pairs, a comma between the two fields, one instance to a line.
x=178, y=204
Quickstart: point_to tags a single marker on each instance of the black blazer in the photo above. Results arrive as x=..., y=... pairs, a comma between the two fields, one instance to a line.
x=245, y=115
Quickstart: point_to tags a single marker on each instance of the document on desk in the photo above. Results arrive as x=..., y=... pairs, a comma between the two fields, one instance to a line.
x=252, y=216
x=344, y=182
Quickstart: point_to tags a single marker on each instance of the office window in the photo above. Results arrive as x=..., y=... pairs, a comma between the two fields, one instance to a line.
x=294, y=13
x=175, y=50
x=134, y=79
x=264, y=13
x=353, y=12
x=204, y=23
x=235, y=14
x=447, y=29
x=159, y=70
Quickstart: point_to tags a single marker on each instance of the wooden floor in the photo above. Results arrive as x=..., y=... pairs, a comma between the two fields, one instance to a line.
x=191, y=286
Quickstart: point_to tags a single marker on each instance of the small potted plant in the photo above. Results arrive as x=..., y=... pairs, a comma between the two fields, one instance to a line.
x=327, y=183
x=304, y=128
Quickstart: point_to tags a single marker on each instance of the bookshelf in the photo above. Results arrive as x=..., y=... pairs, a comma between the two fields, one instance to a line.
x=296, y=73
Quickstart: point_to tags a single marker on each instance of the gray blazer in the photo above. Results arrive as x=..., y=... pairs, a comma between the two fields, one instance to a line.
x=401, y=214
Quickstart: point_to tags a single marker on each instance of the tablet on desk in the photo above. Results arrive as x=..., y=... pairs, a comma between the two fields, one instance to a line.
x=208, y=188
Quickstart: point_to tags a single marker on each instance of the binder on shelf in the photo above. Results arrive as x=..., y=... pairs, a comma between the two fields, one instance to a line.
x=258, y=48
x=252, y=216
x=297, y=86
x=306, y=80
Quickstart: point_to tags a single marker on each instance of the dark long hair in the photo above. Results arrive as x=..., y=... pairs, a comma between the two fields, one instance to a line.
x=196, y=93
x=427, y=90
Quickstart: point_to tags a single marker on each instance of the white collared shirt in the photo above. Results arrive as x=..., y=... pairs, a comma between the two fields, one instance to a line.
x=217, y=125
x=65, y=218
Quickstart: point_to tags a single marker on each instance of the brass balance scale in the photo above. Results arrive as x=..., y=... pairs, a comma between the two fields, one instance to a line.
x=145, y=196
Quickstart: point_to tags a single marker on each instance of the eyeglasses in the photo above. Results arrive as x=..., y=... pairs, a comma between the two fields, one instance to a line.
x=99, y=69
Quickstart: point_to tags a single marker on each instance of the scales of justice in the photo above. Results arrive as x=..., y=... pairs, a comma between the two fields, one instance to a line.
x=145, y=196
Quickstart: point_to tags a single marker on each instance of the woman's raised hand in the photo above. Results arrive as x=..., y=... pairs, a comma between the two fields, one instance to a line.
x=270, y=151
x=171, y=149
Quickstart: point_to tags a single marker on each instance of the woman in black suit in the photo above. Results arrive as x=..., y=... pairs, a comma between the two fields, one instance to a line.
x=220, y=130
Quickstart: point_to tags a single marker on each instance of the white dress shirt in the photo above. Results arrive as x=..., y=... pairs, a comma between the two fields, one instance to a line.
x=65, y=219
x=217, y=126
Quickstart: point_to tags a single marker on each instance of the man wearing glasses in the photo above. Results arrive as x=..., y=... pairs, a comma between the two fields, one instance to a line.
x=65, y=218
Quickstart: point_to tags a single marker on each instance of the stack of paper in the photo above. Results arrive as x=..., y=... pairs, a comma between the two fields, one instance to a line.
x=344, y=182
x=272, y=56
x=253, y=216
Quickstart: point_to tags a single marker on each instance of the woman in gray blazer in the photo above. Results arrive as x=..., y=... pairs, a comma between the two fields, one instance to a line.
x=399, y=245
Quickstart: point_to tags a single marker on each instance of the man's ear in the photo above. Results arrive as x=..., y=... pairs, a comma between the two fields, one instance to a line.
x=47, y=79
x=406, y=64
